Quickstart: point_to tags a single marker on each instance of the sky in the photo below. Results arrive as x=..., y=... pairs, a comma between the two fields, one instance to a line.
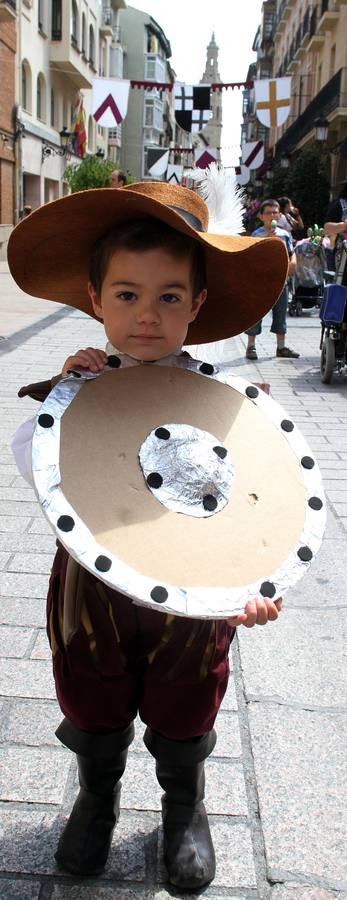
x=188, y=25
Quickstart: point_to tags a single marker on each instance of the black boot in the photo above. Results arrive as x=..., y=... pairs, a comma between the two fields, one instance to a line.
x=188, y=849
x=84, y=845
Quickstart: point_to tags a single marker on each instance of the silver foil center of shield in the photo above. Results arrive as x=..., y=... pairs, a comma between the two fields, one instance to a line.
x=188, y=470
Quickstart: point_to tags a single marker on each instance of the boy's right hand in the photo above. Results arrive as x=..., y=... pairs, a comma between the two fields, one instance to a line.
x=93, y=359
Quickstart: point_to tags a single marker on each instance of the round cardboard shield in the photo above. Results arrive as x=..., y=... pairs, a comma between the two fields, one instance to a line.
x=186, y=488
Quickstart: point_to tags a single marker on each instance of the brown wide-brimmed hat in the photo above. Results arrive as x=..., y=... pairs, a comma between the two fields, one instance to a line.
x=49, y=253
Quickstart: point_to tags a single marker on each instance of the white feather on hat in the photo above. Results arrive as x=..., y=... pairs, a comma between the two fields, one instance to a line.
x=223, y=198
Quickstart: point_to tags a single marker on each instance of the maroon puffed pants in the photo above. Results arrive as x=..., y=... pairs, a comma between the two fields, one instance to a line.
x=121, y=659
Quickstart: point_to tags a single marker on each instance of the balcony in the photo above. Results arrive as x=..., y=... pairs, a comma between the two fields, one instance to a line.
x=328, y=18
x=316, y=41
x=327, y=103
x=7, y=10
x=66, y=56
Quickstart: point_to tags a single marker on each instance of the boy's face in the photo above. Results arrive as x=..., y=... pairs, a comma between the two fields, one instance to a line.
x=268, y=214
x=146, y=302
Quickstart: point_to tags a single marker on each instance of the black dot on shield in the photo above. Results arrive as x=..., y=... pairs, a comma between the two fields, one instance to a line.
x=45, y=420
x=305, y=554
x=162, y=433
x=206, y=369
x=268, y=589
x=113, y=362
x=315, y=503
x=66, y=523
x=252, y=392
x=159, y=594
x=220, y=451
x=287, y=425
x=209, y=502
x=154, y=480
x=307, y=462
x=102, y=563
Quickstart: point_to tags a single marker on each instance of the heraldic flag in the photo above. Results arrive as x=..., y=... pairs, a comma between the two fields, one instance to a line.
x=192, y=106
x=79, y=135
x=272, y=101
x=110, y=101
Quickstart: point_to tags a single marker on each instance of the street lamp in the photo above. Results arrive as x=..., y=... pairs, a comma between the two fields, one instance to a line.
x=50, y=150
x=321, y=127
x=100, y=153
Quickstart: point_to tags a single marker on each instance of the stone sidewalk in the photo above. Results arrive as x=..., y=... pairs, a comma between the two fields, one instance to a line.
x=275, y=790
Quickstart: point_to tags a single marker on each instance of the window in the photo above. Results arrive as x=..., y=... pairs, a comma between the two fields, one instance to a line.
x=24, y=98
x=40, y=15
x=332, y=61
x=41, y=98
x=91, y=45
x=52, y=108
x=74, y=23
x=56, y=20
x=83, y=35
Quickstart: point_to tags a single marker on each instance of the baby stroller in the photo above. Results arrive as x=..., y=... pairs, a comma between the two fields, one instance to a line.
x=333, y=314
x=308, y=281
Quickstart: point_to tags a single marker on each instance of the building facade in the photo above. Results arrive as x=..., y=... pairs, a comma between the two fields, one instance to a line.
x=149, y=120
x=7, y=125
x=305, y=39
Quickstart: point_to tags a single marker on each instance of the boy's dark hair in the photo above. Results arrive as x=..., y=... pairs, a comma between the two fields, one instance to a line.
x=266, y=203
x=142, y=235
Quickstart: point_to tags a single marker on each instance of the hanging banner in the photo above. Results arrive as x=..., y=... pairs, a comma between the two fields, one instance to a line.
x=242, y=175
x=253, y=154
x=157, y=162
x=174, y=174
x=110, y=101
x=272, y=101
x=203, y=157
x=79, y=134
x=192, y=106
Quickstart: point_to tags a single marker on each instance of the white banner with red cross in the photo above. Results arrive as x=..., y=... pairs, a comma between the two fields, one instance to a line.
x=272, y=100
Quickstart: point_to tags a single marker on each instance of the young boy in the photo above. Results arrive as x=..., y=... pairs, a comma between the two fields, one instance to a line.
x=152, y=271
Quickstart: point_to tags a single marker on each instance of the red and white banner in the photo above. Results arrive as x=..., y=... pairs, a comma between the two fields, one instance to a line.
x=272, y=100
x=242, y=175
x=204, y=157
x=253, y=154
x=110, y=101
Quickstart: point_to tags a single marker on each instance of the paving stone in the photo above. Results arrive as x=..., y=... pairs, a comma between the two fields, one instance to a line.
x=97, y=892
x=302, y=794
x=41, y=543
x=14, y=642
x=29, y=839
x=30, y=775
x=26, y=678
x=4, y=558
x=22, y=508
x=289, y=659
x=6, y=478
x=293, y=891
x=40, y=525
x=14, y=525
x=228, y=736
x=23, y=585
x=32, y=722
x=28, y=612
x=15, y=889
x=229, y=701
x=39, y=563
x=41, y=648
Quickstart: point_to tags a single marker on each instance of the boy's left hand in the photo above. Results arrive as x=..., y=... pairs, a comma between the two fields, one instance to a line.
x=258, y=611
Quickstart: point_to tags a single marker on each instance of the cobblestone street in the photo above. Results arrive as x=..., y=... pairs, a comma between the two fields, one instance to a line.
x=276, y=782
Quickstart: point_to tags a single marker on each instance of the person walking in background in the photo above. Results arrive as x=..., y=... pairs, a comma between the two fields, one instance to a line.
x=290, y=219
x=269, y=214
x=118, y=179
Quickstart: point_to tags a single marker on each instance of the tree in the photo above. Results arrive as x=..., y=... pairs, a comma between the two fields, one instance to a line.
x=308, y=187
x=92, y=172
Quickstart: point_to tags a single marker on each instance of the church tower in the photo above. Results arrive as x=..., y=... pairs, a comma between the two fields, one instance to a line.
x=212, y=132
